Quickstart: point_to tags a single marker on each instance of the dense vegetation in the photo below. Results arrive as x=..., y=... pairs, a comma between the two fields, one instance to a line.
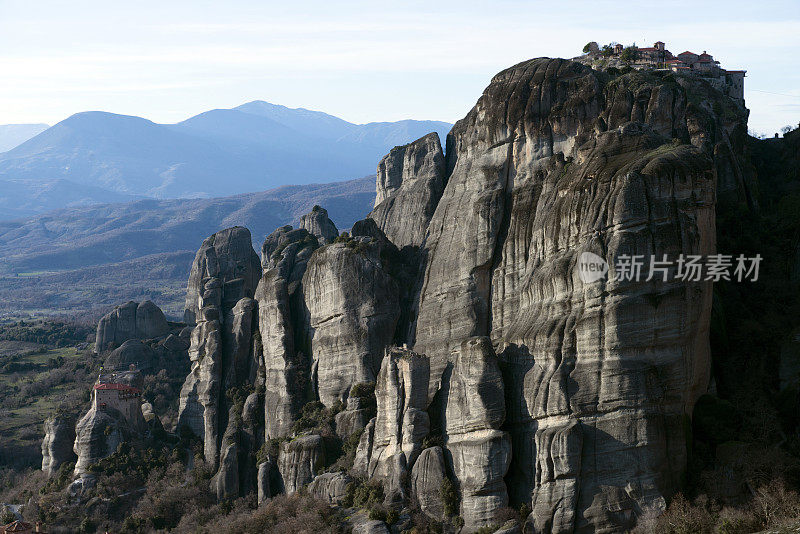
x=744, y=470
x=45, y=367
x=47, y=332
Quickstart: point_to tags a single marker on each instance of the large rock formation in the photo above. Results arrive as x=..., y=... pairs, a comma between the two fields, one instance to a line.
x=219, y=300
x=411, y=179
x=229, y=258
x=549, y=164
x=353, y=309
x=478, y=451
x=131, y=352
x=427, y=478
x=59, y=437
x=281, y=323
x=402, y=422
x=586, y=422
x=130, y=321
x=330, y=487
x=299, y=460
x=317, y=223
x=98, y=435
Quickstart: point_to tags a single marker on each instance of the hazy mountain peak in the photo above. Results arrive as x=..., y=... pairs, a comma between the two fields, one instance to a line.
x=252, y=147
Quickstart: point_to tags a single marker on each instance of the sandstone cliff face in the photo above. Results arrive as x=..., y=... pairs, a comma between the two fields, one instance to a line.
x=130, y=321
x=353, y=309
x=299, y=460
x=427, y=478
x=281, y=323
x=319, y=225
x=228, y=257
x=410, y=182
x=478, y=450
x=402, y=422
x=543, y=390
x=546, y=166
x=219, y=300
x=57, y=445
x=98, y=435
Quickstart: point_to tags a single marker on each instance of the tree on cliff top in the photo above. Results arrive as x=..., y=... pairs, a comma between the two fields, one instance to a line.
x=630, y=54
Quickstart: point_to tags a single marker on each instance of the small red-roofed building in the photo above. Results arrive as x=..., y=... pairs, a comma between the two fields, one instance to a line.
x=121, y=397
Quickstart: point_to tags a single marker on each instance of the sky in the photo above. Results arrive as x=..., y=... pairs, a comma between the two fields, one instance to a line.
x=369, y=61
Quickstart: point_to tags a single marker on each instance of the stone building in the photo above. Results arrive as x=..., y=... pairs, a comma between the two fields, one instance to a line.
x=121, y=397
x=730, y=82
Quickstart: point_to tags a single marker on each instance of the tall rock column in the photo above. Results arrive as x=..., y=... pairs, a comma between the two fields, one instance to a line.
x=353, y=309
x=478, y=450
x=281, y=324
x=553, y=161
x=607, y=369
x=410, y=181
x=226, y=270
x=527, y=114
x=57, y=444
x=401, y=422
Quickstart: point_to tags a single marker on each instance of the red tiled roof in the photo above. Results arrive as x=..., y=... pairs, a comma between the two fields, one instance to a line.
x=118, y=387
x=687, y=53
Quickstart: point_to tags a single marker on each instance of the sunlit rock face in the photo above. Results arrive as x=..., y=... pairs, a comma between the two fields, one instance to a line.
x=553, y=161
x=353, y=309
x=282, y=324
x=410, y=182
x=219, y=302
x=496, y=365
x=59, y=438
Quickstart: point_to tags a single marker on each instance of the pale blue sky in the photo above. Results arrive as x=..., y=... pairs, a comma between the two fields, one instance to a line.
x=363, y=61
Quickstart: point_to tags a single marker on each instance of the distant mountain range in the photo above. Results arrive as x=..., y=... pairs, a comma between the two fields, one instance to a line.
x=89, y=257
x=12, y=135
x=97, y=157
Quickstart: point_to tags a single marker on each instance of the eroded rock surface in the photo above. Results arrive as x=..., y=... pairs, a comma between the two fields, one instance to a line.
x=353, y=309
x=411, y=179
x=479, y=451
x=219, y=302
x=98, y=435
x=318, y=224
x=550, y=163
x=228, y=257
x=281, y=323
x=402, y=422
x=59, y=437
x=299, y=460
x=264, y=479
x=585, y=423
x=130, y=321
x=330, y=487
x=427, y=478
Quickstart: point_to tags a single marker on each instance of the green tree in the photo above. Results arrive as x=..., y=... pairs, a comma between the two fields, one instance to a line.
x=630, y=54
